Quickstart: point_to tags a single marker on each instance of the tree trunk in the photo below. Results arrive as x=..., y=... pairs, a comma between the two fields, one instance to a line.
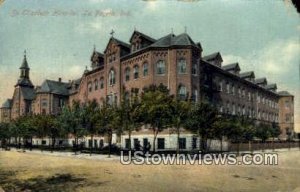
x=53, y=143
x=92, y=142
x=250, y=146
x=30, y=143
x=109, y=143
x=178, y=137
x=238, y=148
x=221, y=144
x=154, y=139
x=273, y=148
x=129, y=137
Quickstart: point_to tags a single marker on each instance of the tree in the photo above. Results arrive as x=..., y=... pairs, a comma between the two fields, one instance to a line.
x=274, y=132
x=91, y=111
x=108, y=122
x=129, y=111
x=71, y=119
x=263, y=132
x=156, y=109
x=248, y=131
x=5, y=134
x=201, y=120
x=235, y=132
x=179, y=110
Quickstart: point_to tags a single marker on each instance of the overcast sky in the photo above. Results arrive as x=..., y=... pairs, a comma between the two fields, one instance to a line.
x=59, y=35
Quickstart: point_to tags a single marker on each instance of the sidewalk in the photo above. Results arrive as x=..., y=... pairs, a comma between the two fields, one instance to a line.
x=79, y=155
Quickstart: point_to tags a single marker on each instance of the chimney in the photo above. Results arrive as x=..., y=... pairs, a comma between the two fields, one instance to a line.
x=59, y=79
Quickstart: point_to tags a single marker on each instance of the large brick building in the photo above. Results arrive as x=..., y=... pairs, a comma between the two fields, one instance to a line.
x=173, y=60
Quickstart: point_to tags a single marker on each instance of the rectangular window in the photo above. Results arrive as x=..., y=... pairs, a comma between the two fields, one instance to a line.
x=160, y=143
x=182, y=143
x=194, y=143
x=127, y=143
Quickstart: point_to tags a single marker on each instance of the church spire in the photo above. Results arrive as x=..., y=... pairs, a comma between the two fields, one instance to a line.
x=24, y=63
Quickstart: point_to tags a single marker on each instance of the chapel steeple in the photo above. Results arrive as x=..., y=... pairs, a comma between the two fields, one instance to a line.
x=24, y=79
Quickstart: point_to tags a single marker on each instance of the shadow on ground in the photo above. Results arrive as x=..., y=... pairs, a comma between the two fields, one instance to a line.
x=58, y=182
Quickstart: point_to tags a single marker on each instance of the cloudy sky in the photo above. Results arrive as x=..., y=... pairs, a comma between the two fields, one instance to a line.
x=59, y=35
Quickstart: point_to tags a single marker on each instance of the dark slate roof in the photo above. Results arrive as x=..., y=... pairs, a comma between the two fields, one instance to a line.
x=271, y=86
x=232, y=66
x=212, y=56
x=143, y=35
x=24, y=82
x=247, y=74
x=183, y=39
x=7, y=103
x=96, y=54
x=119, y=42
x=28, y=93
x=284, y=93
x=55, y=87
x=171, y=39
x=24, y=63
x=261, y=80
x=164, y=41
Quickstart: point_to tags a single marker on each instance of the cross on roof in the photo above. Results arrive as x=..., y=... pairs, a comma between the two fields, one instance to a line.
x=112, y=32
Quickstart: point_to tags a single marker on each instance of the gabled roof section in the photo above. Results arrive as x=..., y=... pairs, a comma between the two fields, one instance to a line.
x=272, y=86
x=285, y=93
x=262, y=80
x=213, y=56
x=7, y=104
x=96, y=54
x=142, y=35
x=28, y=93
x=54, y=87
x=233, y=66
x=248, y=74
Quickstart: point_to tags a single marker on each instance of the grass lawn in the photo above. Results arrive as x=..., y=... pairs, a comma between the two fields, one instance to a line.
x=38, y=172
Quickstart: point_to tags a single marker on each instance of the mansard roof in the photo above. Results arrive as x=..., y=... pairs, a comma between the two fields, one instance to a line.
x=7, y=104
x=143, y=35
x=55, y=87
x=233, y=66
x=248, y=74
x=28, y=93
x=213, y=56
x=262, y=80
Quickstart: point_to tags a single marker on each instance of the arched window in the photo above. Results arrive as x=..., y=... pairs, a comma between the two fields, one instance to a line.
x=136, y=71
x=160, y=67
x=182, y=92
x=181, y=66
x=96, y=84
x=195, y=69
x=127, y=74
x=90, y=86
x=112, y=77
x=101, y=83
x=145, y=69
